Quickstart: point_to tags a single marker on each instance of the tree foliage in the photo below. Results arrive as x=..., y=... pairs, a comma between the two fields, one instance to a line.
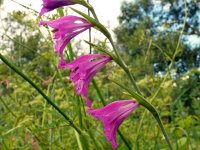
x=157, y=38
x=152, y=28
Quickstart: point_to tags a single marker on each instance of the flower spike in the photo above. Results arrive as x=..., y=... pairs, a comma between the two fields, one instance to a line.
x=113, y=115
x=84, y=68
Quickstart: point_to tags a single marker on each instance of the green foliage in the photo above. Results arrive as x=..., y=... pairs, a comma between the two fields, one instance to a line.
x=152, y=29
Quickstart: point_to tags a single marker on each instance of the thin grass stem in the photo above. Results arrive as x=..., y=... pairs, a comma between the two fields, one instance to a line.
x=14, y=68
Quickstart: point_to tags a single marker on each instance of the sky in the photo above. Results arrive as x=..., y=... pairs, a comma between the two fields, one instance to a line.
x=106, y=10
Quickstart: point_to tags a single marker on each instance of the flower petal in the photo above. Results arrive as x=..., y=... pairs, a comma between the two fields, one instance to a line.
x=113, y=115
x=49, y=5
x=66, y=28
x=83, y=69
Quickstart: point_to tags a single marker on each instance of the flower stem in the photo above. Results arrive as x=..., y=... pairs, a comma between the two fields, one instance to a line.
x=98, y=92
x=125, y=67
x=94, y=83
x=94, y=13
x=6, y=106
x=157, y=117
x=169, y=68
x=14, y=68
x=150, y=107
x=137, y=95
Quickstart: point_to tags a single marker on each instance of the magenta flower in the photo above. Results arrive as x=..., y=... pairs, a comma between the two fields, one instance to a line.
x=83, y=69
x=65, y=29
x=113, y=115
x=49, y=5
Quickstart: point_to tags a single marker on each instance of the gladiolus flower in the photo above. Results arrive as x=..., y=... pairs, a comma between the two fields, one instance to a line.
x=66, y=28
x=49, y=5
x=84, y=68
x=113, y=115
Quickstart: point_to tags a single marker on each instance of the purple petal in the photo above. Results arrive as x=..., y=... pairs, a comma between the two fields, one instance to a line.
x=113, y=115
x=66, y=28
x=83, y=69
x=49, y=5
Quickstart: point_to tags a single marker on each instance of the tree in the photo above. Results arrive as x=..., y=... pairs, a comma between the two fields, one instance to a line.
x=151, y=29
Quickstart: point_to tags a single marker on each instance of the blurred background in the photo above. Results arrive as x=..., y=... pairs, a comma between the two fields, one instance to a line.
x=158, y=39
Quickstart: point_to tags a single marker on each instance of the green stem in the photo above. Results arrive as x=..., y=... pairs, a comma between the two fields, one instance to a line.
x=150, y=107
x=169, y=68
x=132, y=80
x=137, y=95
x=98, y=92
x=14, y=68
x=95, y=85
x=93, y=13
x=107, y=34
x=90, y=34
x=124, y=140
x=125, y=67
x=163, y=131
x=6, y=106
x=90, y=8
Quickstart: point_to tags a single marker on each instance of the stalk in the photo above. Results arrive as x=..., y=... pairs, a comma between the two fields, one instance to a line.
x=137, y=94
x=150, y=107
x=14, y=68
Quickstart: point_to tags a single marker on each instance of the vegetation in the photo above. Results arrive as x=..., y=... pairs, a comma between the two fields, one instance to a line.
x=155, y=43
